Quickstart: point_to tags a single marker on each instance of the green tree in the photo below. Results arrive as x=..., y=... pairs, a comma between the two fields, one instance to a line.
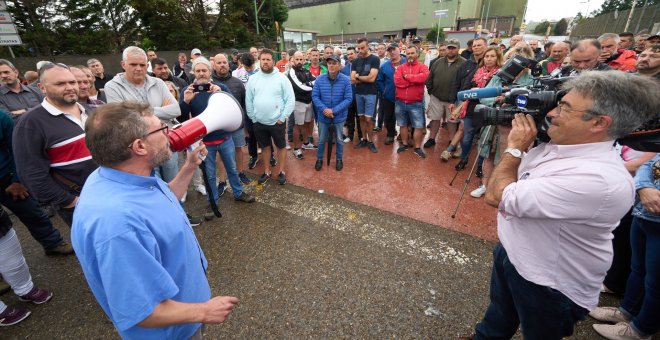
x=34, y=20
x=560, y=27
x=541, y=28
x=621, y=5
x=435, y=32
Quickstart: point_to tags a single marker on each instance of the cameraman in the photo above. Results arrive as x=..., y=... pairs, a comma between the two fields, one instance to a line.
x=558, y=205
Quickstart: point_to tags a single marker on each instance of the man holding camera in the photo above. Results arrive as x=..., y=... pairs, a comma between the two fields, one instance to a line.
x=558, y=204
x=193, y=102
x=137, y=250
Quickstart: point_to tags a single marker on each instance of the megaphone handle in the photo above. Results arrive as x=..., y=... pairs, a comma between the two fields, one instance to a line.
x=214, y=206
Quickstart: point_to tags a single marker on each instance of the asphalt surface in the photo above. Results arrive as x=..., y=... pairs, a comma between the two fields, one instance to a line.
x=305, y=266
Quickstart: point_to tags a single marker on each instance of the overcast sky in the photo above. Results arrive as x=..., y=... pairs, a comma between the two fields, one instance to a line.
x=538, y=10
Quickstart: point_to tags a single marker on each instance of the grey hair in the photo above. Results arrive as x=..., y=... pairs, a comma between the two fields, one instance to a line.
x=606, y=36
x=92, y=61
x=111, y=129
x=203, y=61
x=625, y=97
x=7, y=63
x=133, y=50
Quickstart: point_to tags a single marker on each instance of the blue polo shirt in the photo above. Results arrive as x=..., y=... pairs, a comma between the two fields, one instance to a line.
x=137, y=249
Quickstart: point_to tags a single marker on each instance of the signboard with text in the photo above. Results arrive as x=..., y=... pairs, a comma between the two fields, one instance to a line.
x=8, y=33
x=10, y=39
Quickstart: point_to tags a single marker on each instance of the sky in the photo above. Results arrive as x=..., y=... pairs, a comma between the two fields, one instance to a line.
x=538, y=10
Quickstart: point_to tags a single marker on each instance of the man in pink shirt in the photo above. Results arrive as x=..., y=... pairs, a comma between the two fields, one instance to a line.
x=558, y=204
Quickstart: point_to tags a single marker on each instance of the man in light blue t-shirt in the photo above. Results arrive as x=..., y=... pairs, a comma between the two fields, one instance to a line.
x=136, y=247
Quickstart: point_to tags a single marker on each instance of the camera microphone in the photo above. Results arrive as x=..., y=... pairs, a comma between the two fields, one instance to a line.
x=488, y=92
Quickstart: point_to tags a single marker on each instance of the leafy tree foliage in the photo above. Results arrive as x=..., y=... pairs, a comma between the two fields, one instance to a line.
x=50, y=27
x=541, y=28
x=621, y=5
x=560, y=27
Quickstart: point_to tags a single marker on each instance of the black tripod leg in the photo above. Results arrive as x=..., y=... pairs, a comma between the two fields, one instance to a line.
x=214, y=206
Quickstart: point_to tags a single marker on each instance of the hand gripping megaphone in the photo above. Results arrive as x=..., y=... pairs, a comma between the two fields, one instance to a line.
x=223, y=112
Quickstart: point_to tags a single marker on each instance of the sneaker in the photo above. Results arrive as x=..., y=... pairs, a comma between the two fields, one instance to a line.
x=298, y=153
x=309, y=146
x=443, y=125
x=347, y=140
x=273, y=161
x=200, y=189
x=245, y=197
x=339, y=165
x=36, y=296
x=62, y=249
x=389, y=140
x=620, y=331
x=310, y=140
x=361, y=144
x=608, y=314
x=318, y=165
x=419, y=152
x=12, y=316
x=372, y=147
x=456, y=154
x=244, y=178
x=281, y=178
x=402, y=148
x=264, y=178
x=222, y=187
x=461, y=164
x=478, y=192
x=194, y=221
x=429, y=143
x=445, y=156
x=252, y=163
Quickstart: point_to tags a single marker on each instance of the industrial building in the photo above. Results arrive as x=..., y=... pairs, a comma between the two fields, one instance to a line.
x=338, y=21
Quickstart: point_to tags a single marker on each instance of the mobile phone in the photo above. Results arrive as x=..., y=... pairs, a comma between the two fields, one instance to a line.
x=202, y=87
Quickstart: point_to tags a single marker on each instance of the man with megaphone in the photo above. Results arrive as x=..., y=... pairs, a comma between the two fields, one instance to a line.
x=195, y=102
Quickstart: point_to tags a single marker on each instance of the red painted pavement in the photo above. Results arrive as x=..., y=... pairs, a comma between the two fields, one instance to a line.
x=403, y=184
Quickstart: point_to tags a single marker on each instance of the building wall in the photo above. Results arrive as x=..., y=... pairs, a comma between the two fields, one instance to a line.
x=360, y=17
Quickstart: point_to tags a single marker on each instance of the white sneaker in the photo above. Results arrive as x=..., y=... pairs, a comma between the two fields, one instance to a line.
x=620, y=331
x=608, y=314
x=347, y=140
x=200, y=189
x=478, y=192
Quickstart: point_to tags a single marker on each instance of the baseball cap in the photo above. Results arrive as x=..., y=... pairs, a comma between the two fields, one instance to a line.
x=234, y=51
x=453, y=42
x=392, y=46
x=333, y=57
x=417, y=40
x=657, y=35
x=195, y=51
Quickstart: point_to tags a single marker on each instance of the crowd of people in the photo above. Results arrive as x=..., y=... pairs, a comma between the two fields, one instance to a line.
x=76, y=133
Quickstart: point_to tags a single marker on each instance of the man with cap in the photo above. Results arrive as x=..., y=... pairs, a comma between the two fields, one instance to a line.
x=438, y=84
x=385, y=83
x=233, y=63
x=652, y=40
x=194, y=54
x=417, y=41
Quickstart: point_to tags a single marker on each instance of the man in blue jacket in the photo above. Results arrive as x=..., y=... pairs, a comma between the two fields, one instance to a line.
x=385, y=83
x=332, y=94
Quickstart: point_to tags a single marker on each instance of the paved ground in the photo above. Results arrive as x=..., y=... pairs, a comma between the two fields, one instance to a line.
x=305, y=265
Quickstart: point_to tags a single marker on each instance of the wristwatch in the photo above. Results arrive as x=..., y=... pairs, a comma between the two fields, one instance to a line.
x=514, y=152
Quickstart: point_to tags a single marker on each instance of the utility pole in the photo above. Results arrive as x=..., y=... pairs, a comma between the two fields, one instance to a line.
x=632, y=10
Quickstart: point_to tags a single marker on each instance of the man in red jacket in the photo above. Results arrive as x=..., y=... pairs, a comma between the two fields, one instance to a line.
x=618, y=58
x=409, y=81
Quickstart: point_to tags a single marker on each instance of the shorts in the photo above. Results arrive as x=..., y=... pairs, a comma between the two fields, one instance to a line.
x=239, y=138
x=366, y=104
x=409, y=114
x=437, y=109
x=266, y=133
x=303, y=113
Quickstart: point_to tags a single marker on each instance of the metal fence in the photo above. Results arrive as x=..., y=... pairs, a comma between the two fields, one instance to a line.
x=615, y=22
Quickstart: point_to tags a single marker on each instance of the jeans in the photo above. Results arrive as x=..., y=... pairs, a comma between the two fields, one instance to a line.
x=642, y=298
x=34, y=218
x=409, y=114
x=353, y=121
x=324, y=129
x=169, y=169
x=469, y=130
x=543, y=313
x=228, y=156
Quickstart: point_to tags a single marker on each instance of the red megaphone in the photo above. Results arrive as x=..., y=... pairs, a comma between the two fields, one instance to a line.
x=222, y=113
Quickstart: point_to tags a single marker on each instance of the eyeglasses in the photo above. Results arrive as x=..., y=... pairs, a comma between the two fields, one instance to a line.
x=163, y=127
x=588, y=114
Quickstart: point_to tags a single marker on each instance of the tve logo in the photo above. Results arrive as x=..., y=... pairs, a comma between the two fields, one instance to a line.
x=521, y=101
